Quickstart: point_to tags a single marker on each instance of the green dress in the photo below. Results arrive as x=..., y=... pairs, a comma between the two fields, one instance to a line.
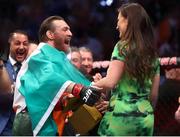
x=130, y=112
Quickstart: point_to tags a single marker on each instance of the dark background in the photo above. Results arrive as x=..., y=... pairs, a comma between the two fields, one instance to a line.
x=93, y=22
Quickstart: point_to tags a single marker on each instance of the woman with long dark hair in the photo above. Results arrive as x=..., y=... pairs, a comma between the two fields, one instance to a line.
x=134, y=75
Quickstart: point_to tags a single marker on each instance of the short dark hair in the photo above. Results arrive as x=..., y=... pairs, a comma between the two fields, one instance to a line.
x=17, y=31
x=85, y=49
x=47, y=25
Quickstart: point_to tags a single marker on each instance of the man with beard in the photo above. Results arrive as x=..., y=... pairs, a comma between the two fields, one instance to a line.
x=18, y=41
x=44, y=77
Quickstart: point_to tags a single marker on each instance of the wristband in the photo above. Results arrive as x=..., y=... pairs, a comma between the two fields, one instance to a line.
x=76, y=90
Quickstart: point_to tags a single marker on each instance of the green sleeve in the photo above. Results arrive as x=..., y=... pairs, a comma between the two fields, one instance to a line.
x=156, y=67
x=116, y=54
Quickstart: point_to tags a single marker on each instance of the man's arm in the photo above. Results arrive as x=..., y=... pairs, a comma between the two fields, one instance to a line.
x=88, y=95
x=5, y=83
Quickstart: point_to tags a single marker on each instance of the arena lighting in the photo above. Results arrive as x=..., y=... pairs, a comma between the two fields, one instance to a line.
x=106, y=2
x=109, y=2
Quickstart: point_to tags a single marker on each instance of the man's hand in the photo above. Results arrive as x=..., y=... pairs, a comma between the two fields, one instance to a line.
x=177, y=115
x=97, y=77
x=88, y=95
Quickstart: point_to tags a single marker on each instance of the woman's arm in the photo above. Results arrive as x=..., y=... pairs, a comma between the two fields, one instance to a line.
x=154, y=90
x=114, y=74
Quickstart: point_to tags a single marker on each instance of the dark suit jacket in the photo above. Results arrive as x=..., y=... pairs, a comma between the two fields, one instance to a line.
x=6, y=101
x=11, y=71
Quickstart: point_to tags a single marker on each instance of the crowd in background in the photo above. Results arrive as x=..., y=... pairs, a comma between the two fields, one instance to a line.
x=93, y=22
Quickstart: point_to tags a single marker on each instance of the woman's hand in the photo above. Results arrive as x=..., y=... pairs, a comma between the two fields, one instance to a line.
x=102, y=106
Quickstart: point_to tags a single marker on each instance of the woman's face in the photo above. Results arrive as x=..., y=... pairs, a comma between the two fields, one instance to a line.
x=121, y=25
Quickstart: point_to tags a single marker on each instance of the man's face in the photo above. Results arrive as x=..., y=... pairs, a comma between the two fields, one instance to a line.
x=87, y=61
x=62, y=35
x=32, y=47
x=19, y=47
x=76, y=59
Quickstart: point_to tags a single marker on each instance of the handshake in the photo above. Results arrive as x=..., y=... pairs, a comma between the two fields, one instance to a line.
x=88, y=95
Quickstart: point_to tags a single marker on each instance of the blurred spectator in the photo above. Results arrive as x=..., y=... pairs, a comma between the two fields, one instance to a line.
x=6, y=98
x=173, y=73
x=5, y=85
x=75, y=57
x=87, y=59
x=32, y=47
x=18, y=41
x=93, y=18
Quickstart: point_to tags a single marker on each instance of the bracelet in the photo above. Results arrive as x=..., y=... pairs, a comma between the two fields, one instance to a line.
x=1, y=66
